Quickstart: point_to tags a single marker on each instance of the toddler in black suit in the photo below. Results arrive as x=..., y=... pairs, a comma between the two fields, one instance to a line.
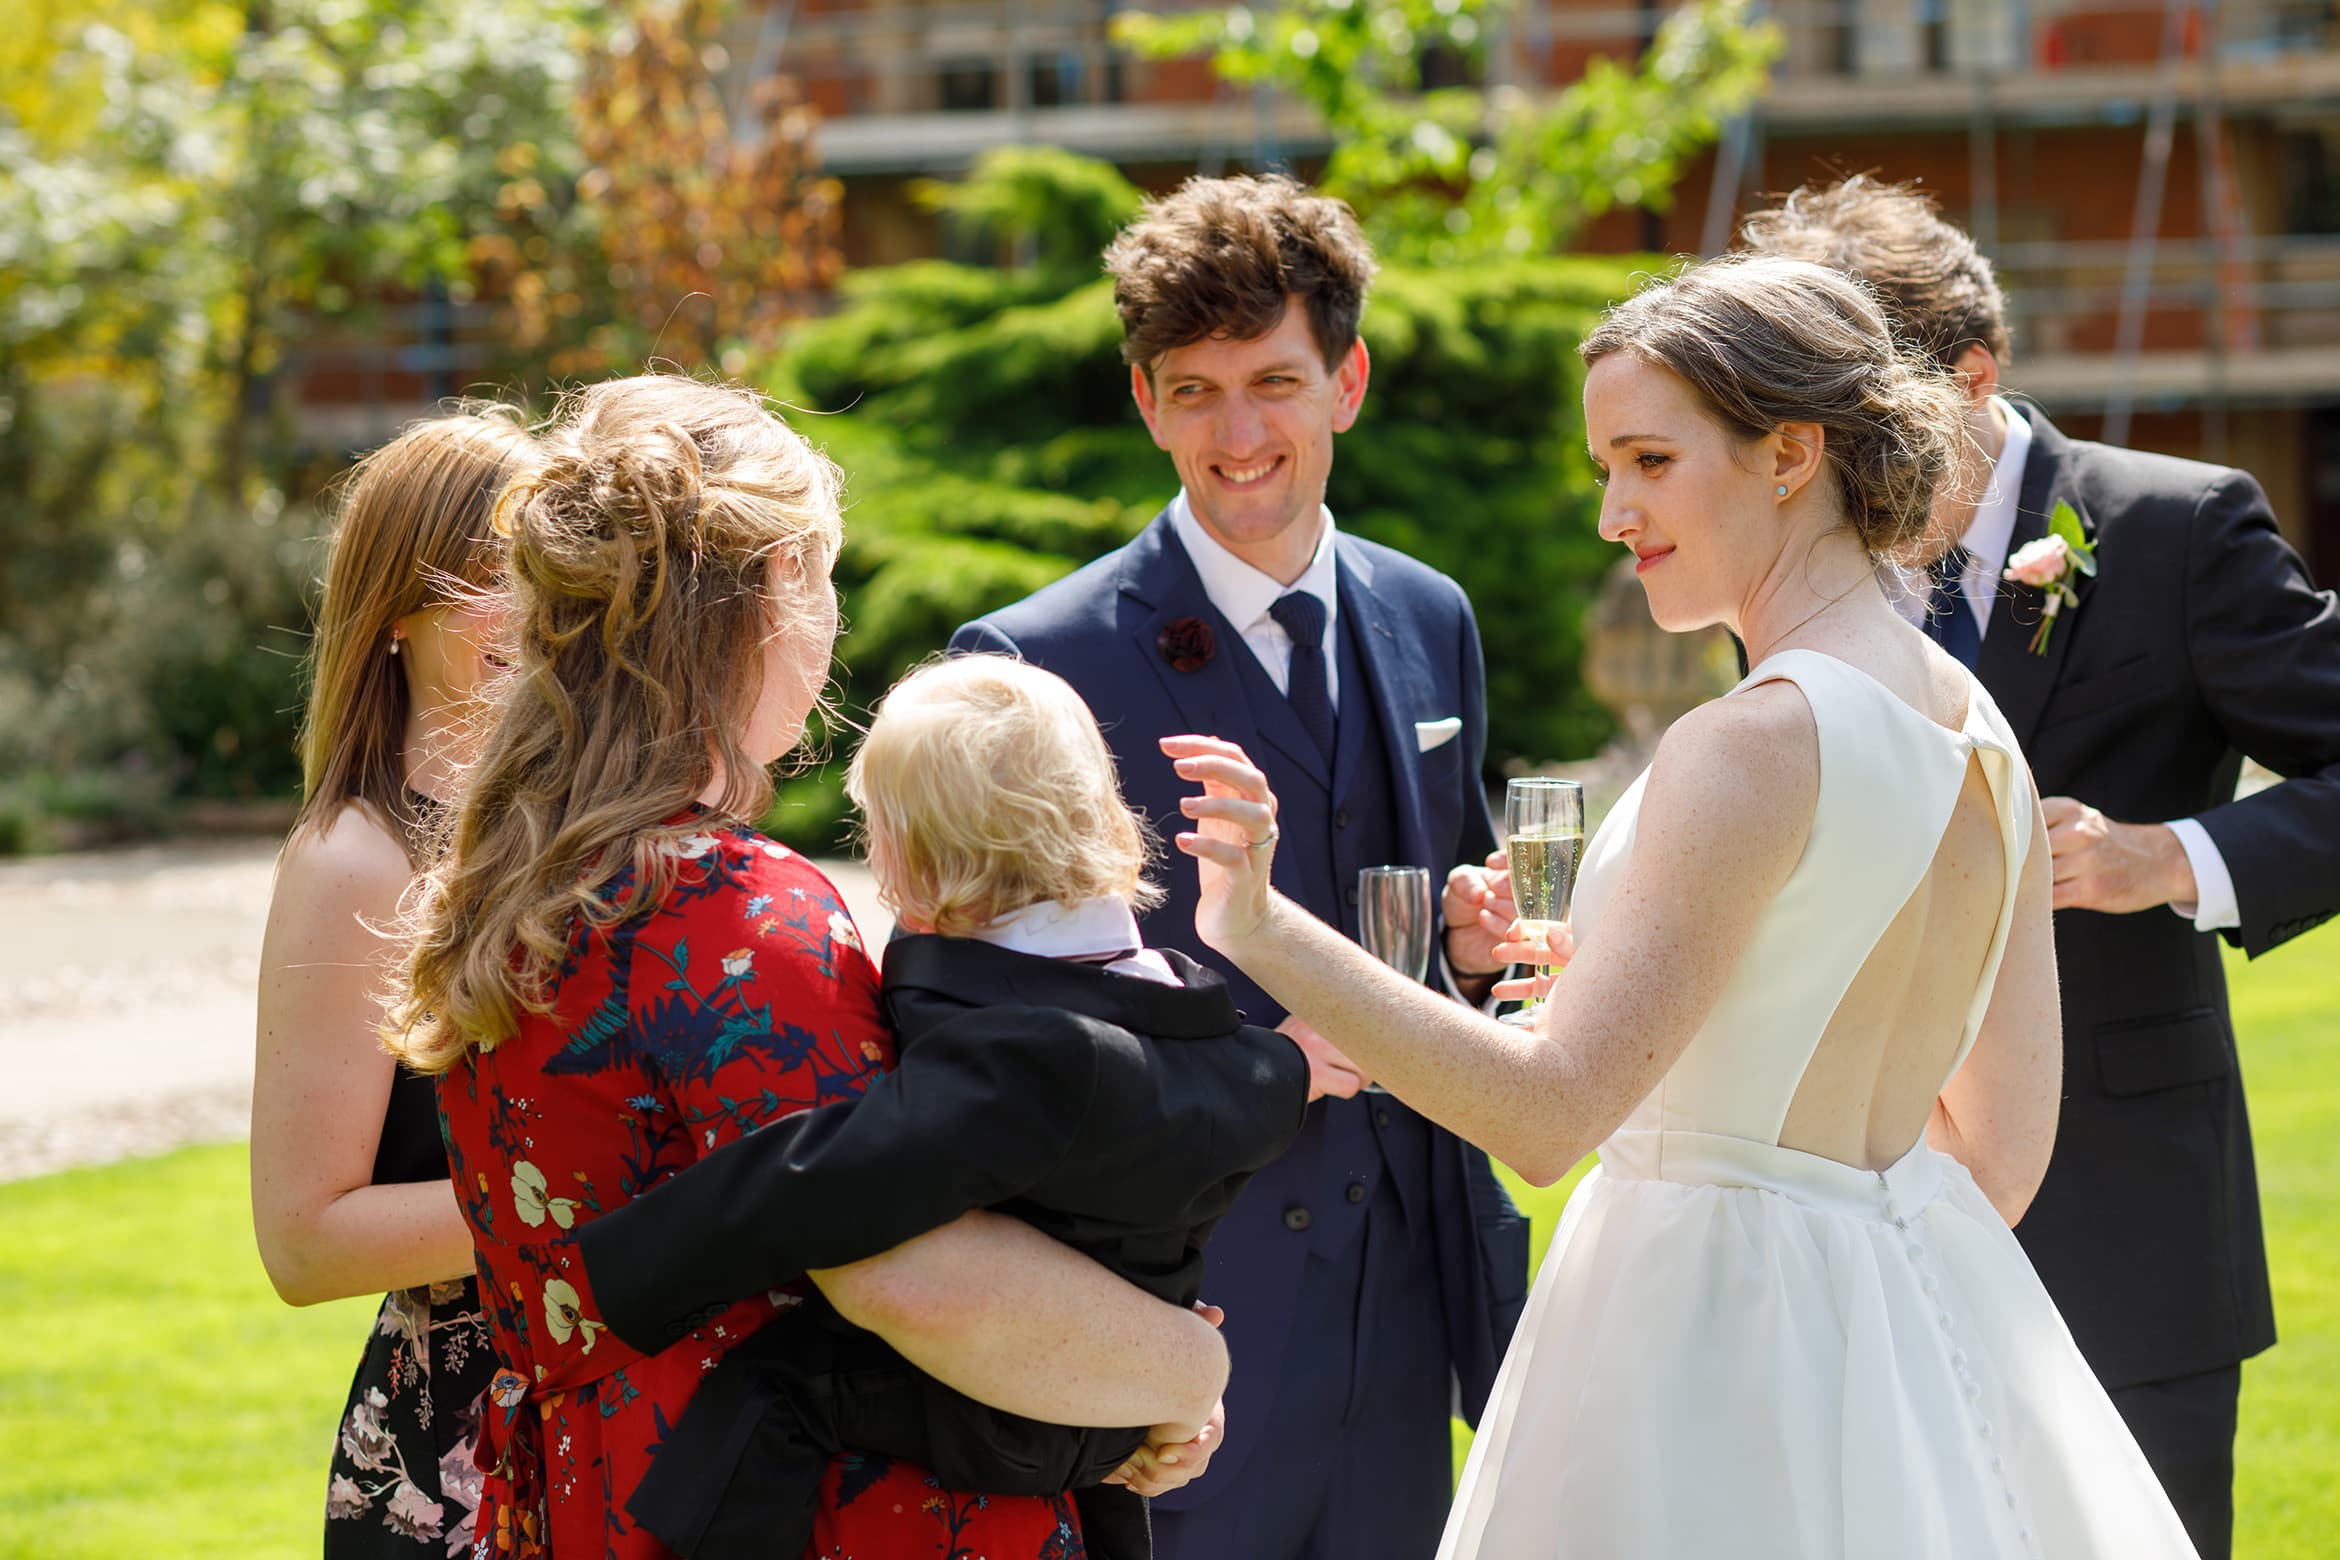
x=1050, y=1066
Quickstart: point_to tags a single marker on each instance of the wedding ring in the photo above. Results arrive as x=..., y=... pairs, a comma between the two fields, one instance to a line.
x=1267, y=839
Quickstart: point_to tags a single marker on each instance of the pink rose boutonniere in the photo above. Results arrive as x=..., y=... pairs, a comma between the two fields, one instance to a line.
x=2053, y=566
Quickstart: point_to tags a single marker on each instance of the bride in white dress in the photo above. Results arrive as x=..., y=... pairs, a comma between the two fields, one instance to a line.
x=1810, y=1020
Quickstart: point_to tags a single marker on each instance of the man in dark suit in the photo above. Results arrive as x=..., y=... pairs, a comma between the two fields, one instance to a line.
x=1371, y=1277
x=2199, y=639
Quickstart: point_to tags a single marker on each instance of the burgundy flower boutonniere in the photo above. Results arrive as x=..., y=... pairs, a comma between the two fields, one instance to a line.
x=1187, y=643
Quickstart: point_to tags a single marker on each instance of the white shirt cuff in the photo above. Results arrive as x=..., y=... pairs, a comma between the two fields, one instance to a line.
x=2214, y=908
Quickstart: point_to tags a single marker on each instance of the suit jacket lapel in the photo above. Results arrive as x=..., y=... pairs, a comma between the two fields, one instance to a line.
x=1160, y=579
x=2017, y=679
x=1224, y=697
x=1399, y=681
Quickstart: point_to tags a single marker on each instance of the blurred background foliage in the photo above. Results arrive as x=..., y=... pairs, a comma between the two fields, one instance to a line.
x=1452, y=174
x=194, y=193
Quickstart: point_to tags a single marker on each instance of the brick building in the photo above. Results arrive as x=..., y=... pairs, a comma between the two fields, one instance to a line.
x=2058, y=131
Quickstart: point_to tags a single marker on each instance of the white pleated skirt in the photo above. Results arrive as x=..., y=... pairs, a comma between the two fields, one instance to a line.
x=1739, y=1350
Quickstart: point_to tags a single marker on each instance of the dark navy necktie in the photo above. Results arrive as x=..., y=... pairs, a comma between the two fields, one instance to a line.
x=1302, y=615
x=1949, y=620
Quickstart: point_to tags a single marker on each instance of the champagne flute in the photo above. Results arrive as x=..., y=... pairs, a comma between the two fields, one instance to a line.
x=1393, y=922
x=1543, y=839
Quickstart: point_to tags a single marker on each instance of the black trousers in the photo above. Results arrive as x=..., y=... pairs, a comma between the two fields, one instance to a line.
x=2186, y=1428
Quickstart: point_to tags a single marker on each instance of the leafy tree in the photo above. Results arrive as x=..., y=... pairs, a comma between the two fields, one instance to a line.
x=1056, y=209
x=192, y=192
x=1461, y=174
x=675, y=226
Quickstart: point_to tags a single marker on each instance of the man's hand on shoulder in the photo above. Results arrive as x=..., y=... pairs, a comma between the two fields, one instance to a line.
x=2116, y=868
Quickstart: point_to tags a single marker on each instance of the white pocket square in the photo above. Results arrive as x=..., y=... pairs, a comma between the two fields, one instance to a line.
x=1430, y=734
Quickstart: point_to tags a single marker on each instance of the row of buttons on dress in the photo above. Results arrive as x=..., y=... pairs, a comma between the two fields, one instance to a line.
x=1967, y=1384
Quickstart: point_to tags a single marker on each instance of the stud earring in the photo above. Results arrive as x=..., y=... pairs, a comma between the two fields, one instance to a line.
x=1783, y=490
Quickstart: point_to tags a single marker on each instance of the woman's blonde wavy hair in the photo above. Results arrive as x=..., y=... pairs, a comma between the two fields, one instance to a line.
x=984, y=787
x=414, y=532
x=666, y=530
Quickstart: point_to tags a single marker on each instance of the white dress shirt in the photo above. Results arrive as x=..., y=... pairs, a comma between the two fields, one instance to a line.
x=1083, y=931
x=1243, y=595
x=1987, y=542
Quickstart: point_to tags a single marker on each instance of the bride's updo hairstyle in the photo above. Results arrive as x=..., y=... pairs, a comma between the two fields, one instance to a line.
x=669, y=529
x=1764, y=341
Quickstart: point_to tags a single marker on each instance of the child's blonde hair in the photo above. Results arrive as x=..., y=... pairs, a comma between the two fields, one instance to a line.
x=985, y=787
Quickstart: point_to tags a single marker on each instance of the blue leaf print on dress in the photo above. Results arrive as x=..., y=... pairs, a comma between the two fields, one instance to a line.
x=857, y=1473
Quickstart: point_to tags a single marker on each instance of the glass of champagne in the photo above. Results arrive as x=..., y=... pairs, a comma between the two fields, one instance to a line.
x=1543, y=839
x=1393, y=922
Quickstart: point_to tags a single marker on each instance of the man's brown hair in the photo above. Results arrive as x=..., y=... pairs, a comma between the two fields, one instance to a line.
x=1222, y=258
x=1936, y=286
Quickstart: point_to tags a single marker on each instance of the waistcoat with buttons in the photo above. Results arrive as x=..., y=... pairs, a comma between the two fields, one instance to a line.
x=1333, y=825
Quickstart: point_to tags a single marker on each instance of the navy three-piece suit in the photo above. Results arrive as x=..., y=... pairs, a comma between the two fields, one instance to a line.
x=1372, y=1276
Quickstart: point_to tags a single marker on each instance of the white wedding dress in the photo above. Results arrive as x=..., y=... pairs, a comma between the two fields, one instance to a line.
x=1738, y=1350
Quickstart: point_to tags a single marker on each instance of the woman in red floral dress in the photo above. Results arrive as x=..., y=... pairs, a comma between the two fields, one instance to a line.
x=613, y=976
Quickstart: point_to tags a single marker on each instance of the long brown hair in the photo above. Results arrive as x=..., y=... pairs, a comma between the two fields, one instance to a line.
x=415, y=531
x=665, y=526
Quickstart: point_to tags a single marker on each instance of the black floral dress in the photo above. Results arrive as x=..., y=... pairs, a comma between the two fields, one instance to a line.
x=404, y=1483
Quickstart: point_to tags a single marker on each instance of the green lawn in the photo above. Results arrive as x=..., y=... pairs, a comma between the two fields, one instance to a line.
x=156, y=1400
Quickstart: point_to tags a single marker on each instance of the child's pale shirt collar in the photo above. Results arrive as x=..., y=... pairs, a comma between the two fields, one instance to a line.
x=1097, y=926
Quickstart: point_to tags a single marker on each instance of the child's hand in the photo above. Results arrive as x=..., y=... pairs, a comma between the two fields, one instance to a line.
x=1173, y=1456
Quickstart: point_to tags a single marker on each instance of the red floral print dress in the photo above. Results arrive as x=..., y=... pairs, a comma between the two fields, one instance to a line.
x=743, y=997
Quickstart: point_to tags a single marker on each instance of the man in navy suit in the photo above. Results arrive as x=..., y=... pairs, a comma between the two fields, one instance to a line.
x=1372, y=1276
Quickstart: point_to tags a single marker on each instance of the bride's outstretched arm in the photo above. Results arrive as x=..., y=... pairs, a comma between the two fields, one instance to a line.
x=1724, y=818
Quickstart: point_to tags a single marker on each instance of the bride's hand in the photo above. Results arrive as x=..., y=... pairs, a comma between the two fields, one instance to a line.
x=1234, y=840
x=1548, y=945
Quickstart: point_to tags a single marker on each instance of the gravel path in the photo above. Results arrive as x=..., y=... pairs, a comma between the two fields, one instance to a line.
x=126, y=997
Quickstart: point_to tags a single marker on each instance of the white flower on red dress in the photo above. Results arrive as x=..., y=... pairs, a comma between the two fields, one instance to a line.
x=775, y=850
x=841, y=930
x=533, y=1201
x=738, y=962
x=692, y=846
x=413, y=1514
x=564, y=1316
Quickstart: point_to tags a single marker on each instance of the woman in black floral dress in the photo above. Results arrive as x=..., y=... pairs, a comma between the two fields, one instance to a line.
x=350, y=1189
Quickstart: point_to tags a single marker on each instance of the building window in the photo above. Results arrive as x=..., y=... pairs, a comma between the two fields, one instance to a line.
x=967, y=86
x=1057, y=79
x=2310, y=171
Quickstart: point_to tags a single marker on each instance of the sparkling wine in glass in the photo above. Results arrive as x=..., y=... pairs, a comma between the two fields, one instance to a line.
x=1543, y=839
x=1393, y=922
